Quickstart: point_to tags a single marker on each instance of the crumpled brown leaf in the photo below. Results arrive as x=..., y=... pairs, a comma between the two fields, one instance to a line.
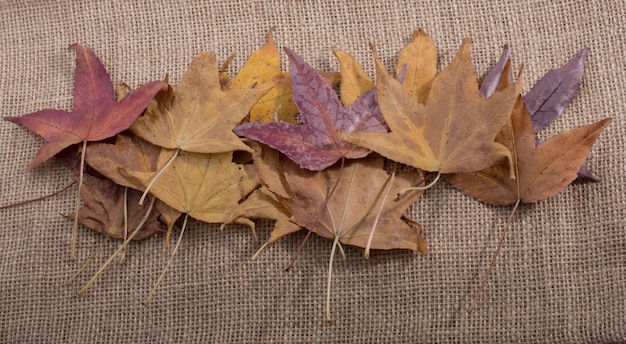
x=103, y=210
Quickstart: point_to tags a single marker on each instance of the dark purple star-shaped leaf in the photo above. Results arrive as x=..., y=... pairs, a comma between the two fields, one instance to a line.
x=314, y=144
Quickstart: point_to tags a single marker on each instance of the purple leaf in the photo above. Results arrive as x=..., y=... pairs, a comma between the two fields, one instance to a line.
x=555, y=91
x=314, y=144
x=491, y=81
x=549, y=97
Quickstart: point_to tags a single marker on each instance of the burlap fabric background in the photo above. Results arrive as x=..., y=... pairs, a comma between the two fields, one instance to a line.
x=560, y=277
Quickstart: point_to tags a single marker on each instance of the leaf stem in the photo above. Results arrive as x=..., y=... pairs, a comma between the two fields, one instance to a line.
x=156, y=176
x=87, y=262
x=379, y=212
x=256, y=254
x=77, y=203
x=483, y=283
x=494, y=257
x=125, y=221
x=132, y=235
x=330, y=274
x=37, y=198
x=420, y=188
x=317, y=216
x=156, y=284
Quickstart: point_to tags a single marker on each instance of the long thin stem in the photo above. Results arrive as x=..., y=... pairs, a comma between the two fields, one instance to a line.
x=483, y=283
x=330, y=274
x=37, y=198
x=125, y=204
x=420, y=188
x=380, y=210
x=494, y=257
x=317, y=217
x=87, y=262
x=156, y=284
x=130, y=237
x=156, y=176
x=80, y=183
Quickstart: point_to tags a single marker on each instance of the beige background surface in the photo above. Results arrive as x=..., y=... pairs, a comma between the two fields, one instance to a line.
x=562, y=272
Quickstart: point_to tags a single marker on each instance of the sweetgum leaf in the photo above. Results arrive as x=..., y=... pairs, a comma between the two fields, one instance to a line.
x=196, y=115
x=205, y=186
x=453, y=132
x=95, y=114
x=103, y=210
x=354, y=80
x=416, y=70
x=419, y=57
x=490, y=83
x=549, y=97
x=541, y=171
x=555, y=91
x=315, y=144
x=351, y=212
x=262, y=69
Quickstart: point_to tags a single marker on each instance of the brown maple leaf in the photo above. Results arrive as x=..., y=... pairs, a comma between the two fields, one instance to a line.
x=359, y=204
x=350, y=213
x=453, y=132
x=541, y=171
x=103, y=210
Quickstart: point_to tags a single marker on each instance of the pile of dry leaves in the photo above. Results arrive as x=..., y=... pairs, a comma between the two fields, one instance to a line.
x=266, y=144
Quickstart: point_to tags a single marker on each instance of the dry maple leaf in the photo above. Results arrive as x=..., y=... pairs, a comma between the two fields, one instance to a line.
x=263, y=69
x=131, y=153
x=418, y=59
x=314, y=144
x=453, y=132
x=292, y=196
x=358, y=204
x=549, y=97
x=103, y=210
x=196, y=115
x=264, y=203
x=541, y=171
x=349, y=215
x=95, y=115
x=203, y=186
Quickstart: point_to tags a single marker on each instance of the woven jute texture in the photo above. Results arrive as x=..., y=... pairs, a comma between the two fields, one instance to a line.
x=561, y=275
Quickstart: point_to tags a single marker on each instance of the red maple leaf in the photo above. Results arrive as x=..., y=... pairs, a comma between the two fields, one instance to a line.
x=95, y=115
